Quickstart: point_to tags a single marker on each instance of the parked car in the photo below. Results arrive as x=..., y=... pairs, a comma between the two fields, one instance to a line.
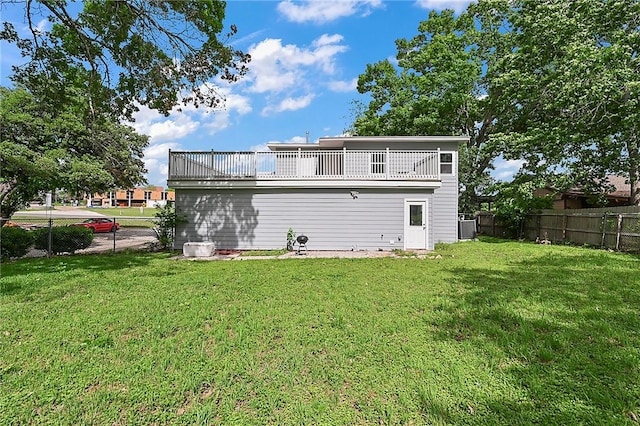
x=99, y=225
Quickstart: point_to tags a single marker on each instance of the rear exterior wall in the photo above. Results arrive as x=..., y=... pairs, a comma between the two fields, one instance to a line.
x=258, y=219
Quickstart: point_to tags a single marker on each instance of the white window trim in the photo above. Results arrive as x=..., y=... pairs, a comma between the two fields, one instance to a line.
x=454, y=163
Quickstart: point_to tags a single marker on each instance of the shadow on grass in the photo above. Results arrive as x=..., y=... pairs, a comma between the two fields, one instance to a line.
x=562, y=328
x=14, y=276
x=493, y=240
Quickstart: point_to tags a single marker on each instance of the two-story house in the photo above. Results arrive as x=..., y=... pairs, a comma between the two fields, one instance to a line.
x=343, y=193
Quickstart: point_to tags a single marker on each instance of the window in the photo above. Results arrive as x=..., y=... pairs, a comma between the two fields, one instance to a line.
x=164, y=195
x=130, y=195
x=446, y=163
x=378, y=162
x=415, y=215
x=147, y=195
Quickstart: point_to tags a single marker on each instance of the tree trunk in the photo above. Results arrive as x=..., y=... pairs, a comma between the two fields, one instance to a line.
x=634, y=200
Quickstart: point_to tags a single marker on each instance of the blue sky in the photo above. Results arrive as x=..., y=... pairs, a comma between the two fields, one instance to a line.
x=306, y=58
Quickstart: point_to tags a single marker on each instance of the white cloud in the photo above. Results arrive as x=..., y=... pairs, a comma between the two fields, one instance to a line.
x=221, y=119
x=187, y=119
x=289, y=104
x=155, y=160
x=457, y=5
x=343, y=86
x=505, y=169
x=182, y=122
x=325, y=11
x=276, y=67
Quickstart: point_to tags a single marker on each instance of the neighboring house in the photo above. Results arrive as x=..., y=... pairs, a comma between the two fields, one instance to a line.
x=343, y=193
x=576, y=198
x=137, y=197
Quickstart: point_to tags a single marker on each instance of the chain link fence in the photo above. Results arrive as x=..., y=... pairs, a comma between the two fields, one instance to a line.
x=86, y=235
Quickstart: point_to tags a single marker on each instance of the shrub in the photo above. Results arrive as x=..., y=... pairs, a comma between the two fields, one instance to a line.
x=14, y=242
x=166, y=220
x=64, y=239
x=516, y=200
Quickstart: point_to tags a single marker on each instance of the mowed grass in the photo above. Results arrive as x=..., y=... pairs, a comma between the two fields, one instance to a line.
x=492, y=332
x=146, y=212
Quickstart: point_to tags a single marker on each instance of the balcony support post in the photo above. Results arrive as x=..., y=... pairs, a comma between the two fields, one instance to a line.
x=344, y=162
x=387, y=162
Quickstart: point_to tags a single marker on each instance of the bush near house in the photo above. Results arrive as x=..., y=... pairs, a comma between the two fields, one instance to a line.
x=64, y=239
x=14, y=242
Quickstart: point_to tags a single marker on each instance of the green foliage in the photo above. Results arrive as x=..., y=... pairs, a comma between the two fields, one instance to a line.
x=554, y=83
x=166, y=220
x=291, y=238
x=119, y=54
x=64, y=239
x=44, y=147
x=443, y=85
x=516, y=200
x=14, y=242
x=574, y=77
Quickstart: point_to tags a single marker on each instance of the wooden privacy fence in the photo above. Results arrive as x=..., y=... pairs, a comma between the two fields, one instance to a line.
x=613, y=228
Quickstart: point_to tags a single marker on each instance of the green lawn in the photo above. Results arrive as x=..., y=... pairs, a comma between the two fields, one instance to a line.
x=493, y=332
x=125, y=211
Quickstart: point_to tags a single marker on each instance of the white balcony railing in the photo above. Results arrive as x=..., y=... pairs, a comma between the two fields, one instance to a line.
x=301, y=164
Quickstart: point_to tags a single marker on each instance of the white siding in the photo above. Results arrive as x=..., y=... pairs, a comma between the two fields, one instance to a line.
x=445, y=209
x=331, y=218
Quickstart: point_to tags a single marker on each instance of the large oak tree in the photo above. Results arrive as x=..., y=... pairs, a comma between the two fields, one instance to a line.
x=88, y=69
x=575, y=79
x=443, y=84
x=123, y=53
x=46, y=148
x=554, y=83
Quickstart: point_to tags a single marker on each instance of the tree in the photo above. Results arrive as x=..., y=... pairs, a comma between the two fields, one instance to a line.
x=123, y=53
x=516, y=200
x=444, y=85
x=575, y=79
x=45, y=148
x=554, y=83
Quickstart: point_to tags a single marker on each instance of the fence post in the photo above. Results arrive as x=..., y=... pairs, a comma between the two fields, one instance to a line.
x=50, y=237
x=618, y=232
x=604, y=229
x=114, y=235
x=493, y=225
x=564, y=228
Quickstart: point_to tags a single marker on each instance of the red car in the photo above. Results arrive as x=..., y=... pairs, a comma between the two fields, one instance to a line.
x=99, y=225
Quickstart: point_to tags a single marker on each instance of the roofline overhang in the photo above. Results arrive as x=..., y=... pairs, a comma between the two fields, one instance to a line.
x=339, y=141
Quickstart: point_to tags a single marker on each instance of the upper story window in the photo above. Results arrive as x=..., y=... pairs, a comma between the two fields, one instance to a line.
x=164, y=195
x=378, y=162
x=147, y=195
x=446, y=163
x=130, y=195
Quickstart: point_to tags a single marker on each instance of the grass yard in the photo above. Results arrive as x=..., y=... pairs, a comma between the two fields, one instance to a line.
x=493, y=332
x=125, y=211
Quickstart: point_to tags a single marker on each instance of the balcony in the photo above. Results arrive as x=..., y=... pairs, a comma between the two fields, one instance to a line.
x=301, y=164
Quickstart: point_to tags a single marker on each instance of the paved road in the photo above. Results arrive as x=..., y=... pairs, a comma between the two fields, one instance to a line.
x=125, y=238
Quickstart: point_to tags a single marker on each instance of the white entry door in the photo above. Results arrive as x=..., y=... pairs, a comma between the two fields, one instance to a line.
x=415, y=224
